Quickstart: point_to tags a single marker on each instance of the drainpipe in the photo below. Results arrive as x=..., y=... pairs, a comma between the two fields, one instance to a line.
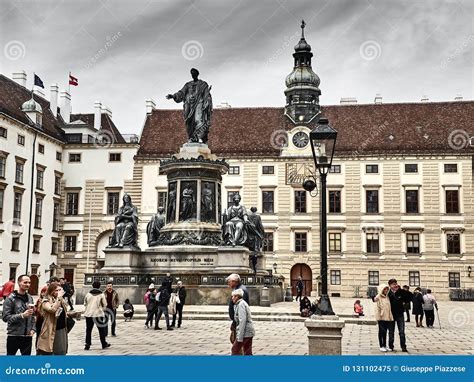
x=31, y=202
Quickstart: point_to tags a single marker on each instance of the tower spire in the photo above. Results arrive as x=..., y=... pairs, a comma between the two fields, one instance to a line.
x=303, y=24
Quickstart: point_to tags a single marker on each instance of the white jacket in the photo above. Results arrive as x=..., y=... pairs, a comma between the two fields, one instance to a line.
x=243, y=320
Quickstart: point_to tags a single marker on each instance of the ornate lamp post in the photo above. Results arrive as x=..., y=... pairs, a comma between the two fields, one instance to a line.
x=323, y=141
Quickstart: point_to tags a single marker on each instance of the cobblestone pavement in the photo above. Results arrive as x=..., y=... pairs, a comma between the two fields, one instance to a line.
x=280, y=336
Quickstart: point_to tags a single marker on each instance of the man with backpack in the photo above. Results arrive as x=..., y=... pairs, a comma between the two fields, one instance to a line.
x=163, y=299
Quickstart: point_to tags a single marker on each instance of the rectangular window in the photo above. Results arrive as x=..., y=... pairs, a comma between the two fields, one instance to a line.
x=57, y=184
x=115, y=157
x=300, y=202
x=19, y=172
x=113, y=200
x=450, y=167
x=3, y=166
x=373, y=243
x=54, y=247
x=335, y=169
x=74, y=158
x=268, y=170
x=336, y=277
x=234, y=170
x=3, y=132
x=411, y=198
x=39, y=178
x=56, y=216
x=72, y=203
x=2, y=195
x=454, y=243
x=36, y=246
x=230, y=197
x=374, y=278
x=414, y=278
x=59, y=156
x=268, y=242
x=372, y=201
x=38, y=212
x=40, y=148
x=70, y=243
x=413, y=243
x=162, y=199
x=301, y=242
x=372, y=168
x=452, y=201
x=334, y=202
x=411, y=168
x=17, y=208
x=21, y=140
x=454, y=280
x=16, y=243
x=334, y=242
x=267, y=202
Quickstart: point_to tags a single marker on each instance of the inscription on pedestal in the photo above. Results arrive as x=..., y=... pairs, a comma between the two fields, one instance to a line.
x=205, y=261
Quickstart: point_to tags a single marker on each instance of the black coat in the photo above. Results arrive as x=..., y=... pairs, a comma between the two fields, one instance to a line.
x=181, y=292
x=398, y=301
x=164, y=297
x=417, y=303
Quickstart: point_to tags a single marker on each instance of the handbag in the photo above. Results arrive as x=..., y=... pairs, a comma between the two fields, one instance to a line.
x=70, y=322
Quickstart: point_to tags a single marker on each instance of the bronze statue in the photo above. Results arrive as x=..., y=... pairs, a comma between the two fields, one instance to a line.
x=234, y=223
x=208, y=213
x=196, y=96
x=126, y=226
x=188, y=203
x=256, y=232
x=171, y=209
x=154, y=226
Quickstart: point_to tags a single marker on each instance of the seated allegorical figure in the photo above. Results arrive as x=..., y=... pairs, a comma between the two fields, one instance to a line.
x=234, y=223
x=126, y=225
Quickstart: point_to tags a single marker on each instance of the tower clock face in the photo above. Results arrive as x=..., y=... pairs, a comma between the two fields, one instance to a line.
x=300, y=139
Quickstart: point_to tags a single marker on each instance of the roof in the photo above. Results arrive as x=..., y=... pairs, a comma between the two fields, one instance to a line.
x=396, y=128
x=13, y=96
x=106, y=123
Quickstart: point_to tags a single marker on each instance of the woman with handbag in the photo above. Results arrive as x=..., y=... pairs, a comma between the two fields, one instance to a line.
x=52, y=340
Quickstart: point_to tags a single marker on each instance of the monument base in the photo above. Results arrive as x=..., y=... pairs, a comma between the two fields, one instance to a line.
x=324, y=335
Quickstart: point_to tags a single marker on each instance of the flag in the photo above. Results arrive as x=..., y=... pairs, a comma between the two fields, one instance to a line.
x=38, y=82
x=73, y=80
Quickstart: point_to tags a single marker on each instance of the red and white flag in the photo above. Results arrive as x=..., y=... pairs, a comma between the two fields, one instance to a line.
x=73, y=80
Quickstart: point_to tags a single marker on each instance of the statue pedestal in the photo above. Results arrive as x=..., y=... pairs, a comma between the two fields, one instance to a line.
x=324, y=335
x=121, y=260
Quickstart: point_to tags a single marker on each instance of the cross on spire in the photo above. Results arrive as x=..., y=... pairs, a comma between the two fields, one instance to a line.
x=303, y=24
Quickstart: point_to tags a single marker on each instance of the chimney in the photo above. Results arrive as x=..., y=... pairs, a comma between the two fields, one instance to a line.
x=53, y=99
x=150, y=106
x=348, y=101
x=97, y=114
x=424, y=98
x=107, y=111
x=20, y=78
x=65, y=98
x=458, y=97
x=378, y=98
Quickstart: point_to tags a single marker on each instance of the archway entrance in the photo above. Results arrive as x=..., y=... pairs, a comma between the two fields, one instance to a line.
x=304, y=271
x=33, y=290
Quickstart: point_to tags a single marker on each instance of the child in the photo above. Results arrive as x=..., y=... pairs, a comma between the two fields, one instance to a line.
x=358, y=308
x=128, y=310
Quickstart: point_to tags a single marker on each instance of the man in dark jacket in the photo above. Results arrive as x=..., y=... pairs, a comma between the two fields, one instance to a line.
x=398, y=298
x=163, y=300
x=68, y=291
x=111, y=296
x=181, y=295
x=168, y=280
x=299, y=288
x=18, y=313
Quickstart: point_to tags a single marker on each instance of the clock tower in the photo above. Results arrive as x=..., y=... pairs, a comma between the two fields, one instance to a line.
x=302, y=85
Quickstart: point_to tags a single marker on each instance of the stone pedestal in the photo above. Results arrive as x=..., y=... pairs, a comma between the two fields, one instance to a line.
x=121, y=260
x=265, y=297
x=324, y=335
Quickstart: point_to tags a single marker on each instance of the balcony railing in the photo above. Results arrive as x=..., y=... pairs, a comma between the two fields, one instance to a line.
x=104, y=139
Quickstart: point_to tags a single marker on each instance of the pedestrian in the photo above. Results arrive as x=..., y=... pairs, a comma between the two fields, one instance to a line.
x=305, y=307
x=168, y=280
x=358, y=308
x=8, y=288
x=299, y=288
x=407, y=305
x=384, y=317
x=39, y=316
x=234, y=282
x=112, y=299
x=151, y=306
x=95, y=305
x=68, y=291
x=128, y=310
x=429, y=305
x=163, y=299
x=243, y=324
x=52, y=339
x=398, y=297
x=180, y=301
x=418, y=307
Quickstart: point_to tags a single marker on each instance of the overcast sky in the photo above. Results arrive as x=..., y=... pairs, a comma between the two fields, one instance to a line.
x=124, y=52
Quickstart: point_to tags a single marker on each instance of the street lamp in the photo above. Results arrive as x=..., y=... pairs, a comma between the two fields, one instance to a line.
x=323, y=141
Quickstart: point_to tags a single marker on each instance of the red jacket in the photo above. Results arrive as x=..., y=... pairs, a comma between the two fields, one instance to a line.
x=8, y=288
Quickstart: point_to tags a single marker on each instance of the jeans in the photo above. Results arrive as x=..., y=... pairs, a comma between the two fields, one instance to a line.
x=162, y=310
x=384, y=326
x=246, y=345
x=21, y=343
x=179, y=312
x=90, y=321
x=407, y=311
x=111, y=315
x=430, y=317
x=400, y=321
x=150, y=315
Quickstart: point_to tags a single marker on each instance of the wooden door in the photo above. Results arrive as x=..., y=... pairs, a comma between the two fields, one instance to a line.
x=304, y=271
x=34, y=285
x=69, y=275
